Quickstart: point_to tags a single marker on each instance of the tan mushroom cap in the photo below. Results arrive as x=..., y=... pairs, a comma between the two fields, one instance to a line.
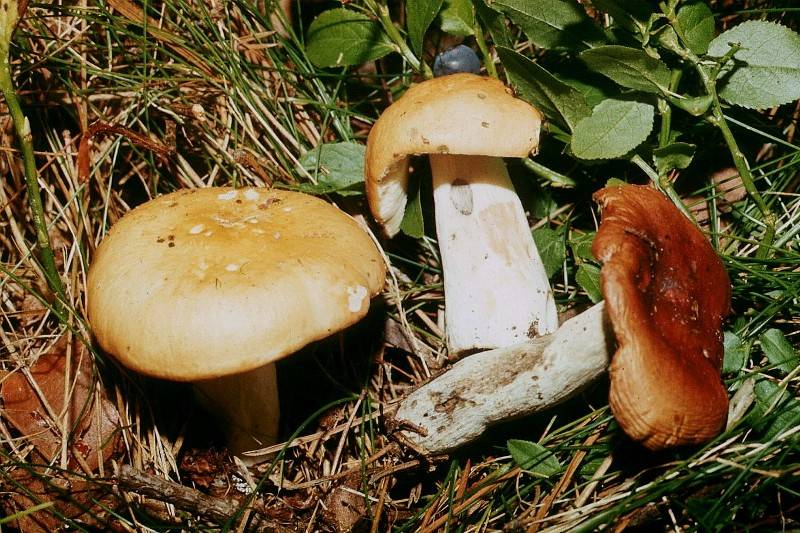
x=460, y=114
x=204, y=283
x=666, y=293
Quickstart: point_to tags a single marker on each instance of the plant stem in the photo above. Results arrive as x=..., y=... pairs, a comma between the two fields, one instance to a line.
x=709, y=79
x=23, y=130
x=382, y=13
x=480, y=40
x=556, y=179
x=666, y=110
x=739, y=161
x=663, y=184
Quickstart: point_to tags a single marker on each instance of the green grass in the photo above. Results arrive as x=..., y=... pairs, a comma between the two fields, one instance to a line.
x=262, y=105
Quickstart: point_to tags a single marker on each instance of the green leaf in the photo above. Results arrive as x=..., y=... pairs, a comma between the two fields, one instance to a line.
x=786, y=418
x=695, y=105
x=588, y=277
x=337, y=167
x=629, y=67
x=494, y=22
x=736, y=353
x=581, y=246
x=672, y=156
x=419, y=15
x=768, y=396
x=765, y=72
x=413, y=223
x=632, y=15
x=592, y=86
x=615, y=128
x=557, y=100
x=774, y=408
x=779, y=352
x=339, y=37
x=541, y=203
x=533, y=457
x=552, y=249
x=553, y=24
x=457, y=18
x=696, y=22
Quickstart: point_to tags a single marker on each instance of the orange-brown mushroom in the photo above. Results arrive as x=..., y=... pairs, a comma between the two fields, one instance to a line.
x=666, y=293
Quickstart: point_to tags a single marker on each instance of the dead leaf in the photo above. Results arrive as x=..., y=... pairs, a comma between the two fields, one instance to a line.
x=205, y=466
x=31, y=310
x=93, y=419
x=729, y=184
x=699, y=209
x=72, y=498
x=345, y=508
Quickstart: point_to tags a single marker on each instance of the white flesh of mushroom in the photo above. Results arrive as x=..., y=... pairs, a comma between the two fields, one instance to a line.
x=496, y=288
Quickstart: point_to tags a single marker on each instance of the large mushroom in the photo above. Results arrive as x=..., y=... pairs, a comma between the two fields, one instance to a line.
x=496, y=289
x=666, y=292
x=212, y=286
x=666, y=296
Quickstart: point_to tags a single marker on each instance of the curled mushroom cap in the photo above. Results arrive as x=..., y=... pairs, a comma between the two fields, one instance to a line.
x=460, y=114
x=666, y=293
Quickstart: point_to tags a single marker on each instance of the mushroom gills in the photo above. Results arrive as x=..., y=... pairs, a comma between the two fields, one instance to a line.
x=496, y=286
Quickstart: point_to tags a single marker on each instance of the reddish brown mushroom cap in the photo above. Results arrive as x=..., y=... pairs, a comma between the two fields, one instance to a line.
x=666, y=293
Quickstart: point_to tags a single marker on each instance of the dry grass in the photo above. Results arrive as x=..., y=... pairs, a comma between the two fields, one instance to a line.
x=207, y=94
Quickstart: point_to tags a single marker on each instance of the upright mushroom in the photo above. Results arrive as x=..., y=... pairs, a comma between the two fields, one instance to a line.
x=496, y=289
x=214, y=285
x=667, y=293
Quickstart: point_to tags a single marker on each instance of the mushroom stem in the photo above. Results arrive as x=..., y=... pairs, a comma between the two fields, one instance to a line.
x=246, y=405
x=496, y=288
x=497, y=385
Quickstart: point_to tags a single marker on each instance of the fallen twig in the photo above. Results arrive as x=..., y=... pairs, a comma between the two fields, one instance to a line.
x=188, y=499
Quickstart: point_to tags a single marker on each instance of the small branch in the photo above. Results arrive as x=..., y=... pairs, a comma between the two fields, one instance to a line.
x=503, y=384
x=382, y=12
x=480, y=40
x=187, y=499
x=709, y=79
x=664, y=185
x=84, y=157
x=718, y=119
x=666, y=110
x=556, y=179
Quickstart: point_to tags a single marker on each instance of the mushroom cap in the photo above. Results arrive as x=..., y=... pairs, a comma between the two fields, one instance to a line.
x=667, y=293
x=460, y=114
x=205, y=283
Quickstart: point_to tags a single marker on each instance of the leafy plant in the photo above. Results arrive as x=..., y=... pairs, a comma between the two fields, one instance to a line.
x=659, y=60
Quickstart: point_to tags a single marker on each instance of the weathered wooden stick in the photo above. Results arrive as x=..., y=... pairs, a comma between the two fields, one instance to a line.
x=188, y=499
x=506, y=383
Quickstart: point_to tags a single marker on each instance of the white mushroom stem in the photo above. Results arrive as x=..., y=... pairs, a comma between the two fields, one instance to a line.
x=496, y=288
x=247, y=407
x=507, y=383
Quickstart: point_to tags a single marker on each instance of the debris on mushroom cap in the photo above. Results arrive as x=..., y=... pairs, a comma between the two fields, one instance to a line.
x=203, y=283
x=462, y=114
x=667, y=293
